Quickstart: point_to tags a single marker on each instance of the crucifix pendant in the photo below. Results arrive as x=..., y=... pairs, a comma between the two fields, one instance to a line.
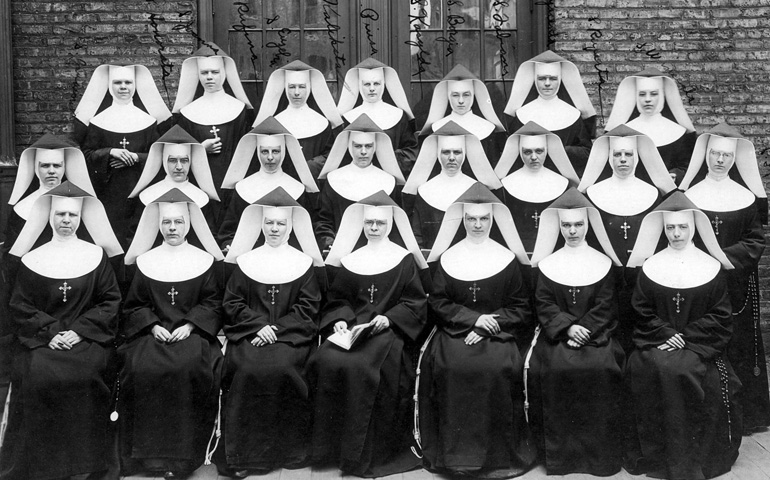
x=574, y=291
x=625, y=228
x=474, y=289
x=64, y=289
x=272, y=293
x=536, y=218
x=371, y=291
x=173, y=293
x=214, y=131
x=679, y=298
x=124, y=143
x=716, y=222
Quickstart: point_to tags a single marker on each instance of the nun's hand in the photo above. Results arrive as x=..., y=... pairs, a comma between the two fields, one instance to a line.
x=161, y=334
x=488, y=323
x=380, y=323
x=472, y=338
x=181, y=333
x=212, y=145
x=267, y=334
x=579, y=334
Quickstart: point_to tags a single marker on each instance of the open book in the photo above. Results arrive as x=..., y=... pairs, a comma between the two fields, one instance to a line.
x=352, y=337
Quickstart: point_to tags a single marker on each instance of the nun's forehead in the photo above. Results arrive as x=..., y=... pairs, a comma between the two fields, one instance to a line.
x=297, y=76
x=205, y=63
x=44, y=155
x=533, y=141
x=122, y=73
x=649, y=83
x=622, y=143
x=573, y=215
x=267, y=141
x=723, y=144
x=371, y=74
x=167, y=210
x=66, y=204
x=454, y=86
x=451, y=141
x=372, y=212
x=177, y=149
x=276, y=213
x=678, y=218
x=362, y=137
x=477, y=209
x=551, y=69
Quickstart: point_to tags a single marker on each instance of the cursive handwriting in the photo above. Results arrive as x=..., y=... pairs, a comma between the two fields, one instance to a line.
x=417, y=22
x=330, y=8
x=499, y=19
x=601, y=69
x=243, y=27
x=370, y=14
x=452, y=21
x=280, y=46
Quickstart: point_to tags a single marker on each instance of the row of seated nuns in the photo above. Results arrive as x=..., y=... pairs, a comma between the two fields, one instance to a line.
x=548, y=281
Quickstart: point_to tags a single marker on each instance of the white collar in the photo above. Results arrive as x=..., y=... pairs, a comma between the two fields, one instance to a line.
x=213, y=109
x=624, y=197
x=479, y=126
x=64, y=259
x=274, y=265
x=468, y=261
x=174, y=264
x=259, y=184
x=149, y=194
x=23, y=207
x=123, y=119
x=354, y=183
x=686, y=268
x=302, y=122
x=373, y=259
x=553, y=114
x=442, y=190
x=660, y=129
x=543, y=186
x=724, y=195
x=381, y=113
x=576, y=266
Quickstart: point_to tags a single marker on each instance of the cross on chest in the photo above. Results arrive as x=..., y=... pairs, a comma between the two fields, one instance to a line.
x=574, y=291
x=64, y=289
x=474, y=289
x=173, y=293
x=214, y=130
x=124, y=142
x=625, y=228
x=272, y=293
x=371, y=291
x=536, y=218
x=716, y=222
x=678, y=298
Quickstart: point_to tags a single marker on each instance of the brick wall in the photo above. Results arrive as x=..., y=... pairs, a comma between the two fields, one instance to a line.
x=57, y=45
x=717, y=50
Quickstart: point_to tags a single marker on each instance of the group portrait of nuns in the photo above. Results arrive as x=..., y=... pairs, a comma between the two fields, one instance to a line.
x=179, y=284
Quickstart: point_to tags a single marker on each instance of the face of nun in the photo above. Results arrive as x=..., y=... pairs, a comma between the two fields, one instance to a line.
x=574, y=226
x=678, y=228
x=477, y=219
x=451, y=153
x=622, y=156
x=372, y=84
x=376, y=223
x=297, y=87
x=533, y=150
x=270, y=150
x=122, y=84
x=177, y=161
x=461, y=95
x=362, y=145
x=721, y=155
x=649, y=95
x=276, y=226
x=65, y=216
x=50, y=167
x=211, y=73
x=173, y=228
x=547, y=79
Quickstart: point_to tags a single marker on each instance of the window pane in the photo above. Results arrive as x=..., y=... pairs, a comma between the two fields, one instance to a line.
x=280, y=48
x=500, y=53
x=246, y=57
x=431, y=52
x=282, y=14
x=462, y=14
x=425, y=13
x=247, y=13
x=500, y=13
x=466, y=51
x=314, y=13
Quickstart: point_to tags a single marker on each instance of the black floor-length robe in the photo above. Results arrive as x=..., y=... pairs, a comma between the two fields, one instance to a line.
x=688, y=422
x=169, y=391
x=266, y=399
x=363, y=397
x=575, y=393
x=58, y=422
x=471, y=397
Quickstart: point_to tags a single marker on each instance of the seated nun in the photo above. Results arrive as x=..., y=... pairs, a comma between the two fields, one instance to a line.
x=271, y=304
x=649, y=102
x=462, y=98
x=683, y=386
x=64, y=308
x=352, y=174
x=545, y=175
x=575, y=365
x=471, y=402
x=180, y=156
x=272, y=144
x=548, y=90
x=373, y=88
x=169, y=382
x=212, y=106
x=363, y=396
x=449, y=146
x=623, y=200
x=298, y=97
x=119, y=117
x=737, y=209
